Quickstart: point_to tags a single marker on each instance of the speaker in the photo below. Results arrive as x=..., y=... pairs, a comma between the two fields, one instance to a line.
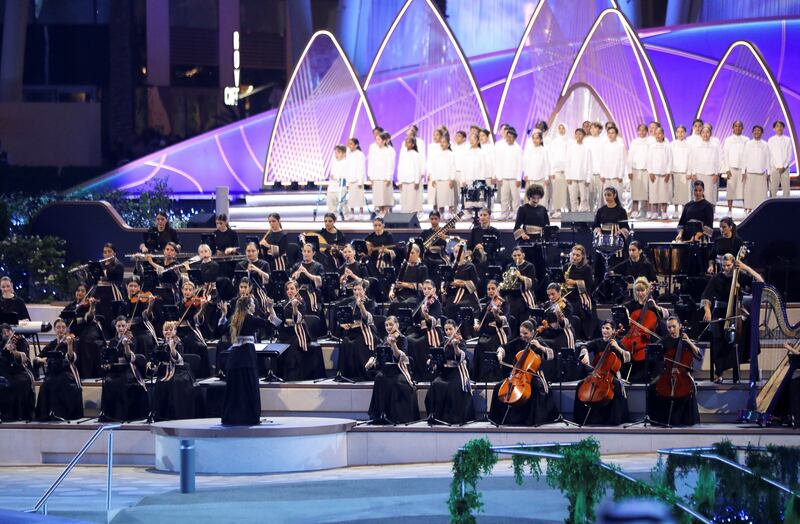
x=401, y=220
x=202, y=220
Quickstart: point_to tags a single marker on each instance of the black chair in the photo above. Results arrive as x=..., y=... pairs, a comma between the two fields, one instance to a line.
x=193, y=361
x=315, y=326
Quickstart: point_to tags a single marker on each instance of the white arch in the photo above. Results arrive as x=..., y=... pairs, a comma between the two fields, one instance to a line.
x=288, y=90
x=773, y=83
x=640, y=55
x=456, y=45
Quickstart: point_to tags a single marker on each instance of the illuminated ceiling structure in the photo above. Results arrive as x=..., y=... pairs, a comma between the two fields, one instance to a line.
x=543, y=59
x=436, y=85
x=684, y=58
x=743, y=87
x=315, y=113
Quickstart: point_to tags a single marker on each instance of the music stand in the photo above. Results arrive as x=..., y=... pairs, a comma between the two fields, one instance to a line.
x=272, y=351
x=654, y=356
x=490, y=246
x=489, y=364
x=342, y=314
x=403, y=314
x=436, y=355
x=567, y=371
x=330, y=286
x=445, y=272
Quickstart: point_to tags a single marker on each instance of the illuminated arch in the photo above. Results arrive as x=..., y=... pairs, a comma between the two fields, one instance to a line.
x=619, y=90
x=744, y=97
x=469, y=106
x=572, y=90
x=313, y=116
x=550, y=37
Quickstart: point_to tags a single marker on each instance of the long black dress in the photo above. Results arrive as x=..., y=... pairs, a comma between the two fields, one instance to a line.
x=458, y=297
x=636, y=370
x=583, y=306
x=242, y=404
x=358, y=344
x=425, y=334
x=302, y=360
x=192, y=338
x=276, y=256
x=675, y=412
x=539, y=409
x=89, y=341
x=394, y=396
x=449, y=398
x=414, y=274
x=60, y=394
x=14, y=306
x=615, y=412
x=723, y=354
x=173, y=395
x=16, y=385
x=124, y=395
x=521, y=298
x=492, y=333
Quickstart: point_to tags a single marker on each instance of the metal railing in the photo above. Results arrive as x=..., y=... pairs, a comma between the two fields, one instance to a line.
x=705, y=452
x=523, y=450
x=41, y=505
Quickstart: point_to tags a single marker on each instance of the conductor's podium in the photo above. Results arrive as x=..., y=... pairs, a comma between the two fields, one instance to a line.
x=277, y=445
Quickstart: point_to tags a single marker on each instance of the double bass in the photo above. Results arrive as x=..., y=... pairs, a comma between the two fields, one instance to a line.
x=676, y=382
x=644, y=323
x=598, y=387
x=516, y=389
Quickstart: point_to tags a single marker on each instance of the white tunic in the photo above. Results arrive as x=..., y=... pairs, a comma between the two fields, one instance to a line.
x=338, y=173
x=755, y=157
x=421, y=149
x=381, y=163
x=507, y=161
x=433, y=150
x=780, y=151
x=595, y=144
x=460, y=151
x=637, y=154
x=356, y=167
x=659, y=159
x=536, y=163
x=705, y=159
x=409, y=167
x=442, y=166
x=487, y=150
x=613, y=159
x=579, y=162
x=732, y=150
x=557, y=151
x=679, y=150
x=474, y=167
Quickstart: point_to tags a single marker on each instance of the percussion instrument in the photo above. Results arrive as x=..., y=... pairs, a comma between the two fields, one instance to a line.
x=607, y=243
x=669, y=258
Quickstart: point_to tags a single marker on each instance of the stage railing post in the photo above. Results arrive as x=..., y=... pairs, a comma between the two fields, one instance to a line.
x=187, y=466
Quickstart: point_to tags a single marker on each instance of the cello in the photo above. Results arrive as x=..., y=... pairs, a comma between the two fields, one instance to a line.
x=644, y=323
x=676, y=382
x=598, y=387
x=516, y=389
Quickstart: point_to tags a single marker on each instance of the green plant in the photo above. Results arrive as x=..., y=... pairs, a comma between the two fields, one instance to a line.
x=36, y=266
x=470, y=463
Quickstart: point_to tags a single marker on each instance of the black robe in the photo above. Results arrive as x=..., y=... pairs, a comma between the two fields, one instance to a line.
x=242, y=404
x=358, y=342
x=612, y=414
x=723, y=354
x=449, y=399
x=16, y=385
x=60, y=394
x=490, y=337
x=422, y=338
x=173, y=394
x=394, y=398
x=675, y=412
x=124, y=395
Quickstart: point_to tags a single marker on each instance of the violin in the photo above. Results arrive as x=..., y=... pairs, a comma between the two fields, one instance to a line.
x=516, y=389
x=195, y=301
x=598, y=387
x=675, y=382
x=644, y=323
x=143, y=297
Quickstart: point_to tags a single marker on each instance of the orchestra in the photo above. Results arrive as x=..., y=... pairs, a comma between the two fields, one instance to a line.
x=434, y=310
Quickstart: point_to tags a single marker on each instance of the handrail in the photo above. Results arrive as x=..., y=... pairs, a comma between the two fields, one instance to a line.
x=521, y=449
x=109, y=466
x=698, y=452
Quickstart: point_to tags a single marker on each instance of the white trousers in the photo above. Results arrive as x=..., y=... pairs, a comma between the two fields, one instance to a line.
x=509, y=196
x=776, y=180
x=578, y=189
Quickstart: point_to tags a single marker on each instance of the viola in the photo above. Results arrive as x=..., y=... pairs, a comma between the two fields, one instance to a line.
x=598, y=387
x=516, y=389
x=675, y=382
x=644, y=323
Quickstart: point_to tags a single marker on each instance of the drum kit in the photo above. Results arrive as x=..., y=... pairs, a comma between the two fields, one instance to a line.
x=476, y=197
x=614, y=287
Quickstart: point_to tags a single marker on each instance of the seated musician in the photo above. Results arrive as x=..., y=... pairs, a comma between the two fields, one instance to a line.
x=209, y=268
x=532, y=217
x=10, y=303
x=170, y=270
x=87, y=328
x=60, y=395
x=351, y=270
x=463, y=290
x=257, y=268
x=715, y=305
x=409, y=281
x=113, y=270
x=308, y=275
x=539, y=408
x=159, y=235
x=332, y=257
x=728, y=242
x=521, y=277
x=425, y=331
x=302, y=360
x=190, y=318
x=672, y=397
x=636, y=370
x=493, y=331
x=449, y=398
x=394, y=395
x=139, y=313
x=477, y=239
x=560, y=330
x=16, y=399
x=274, y=244
x=380, y=248
x=637, y=265
x=226, y=240
x=435, y=244
x=124, y=395
x=358, y=344
x=173, y=397
x=579, y=283
x=699, y=209
x=611, y=413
